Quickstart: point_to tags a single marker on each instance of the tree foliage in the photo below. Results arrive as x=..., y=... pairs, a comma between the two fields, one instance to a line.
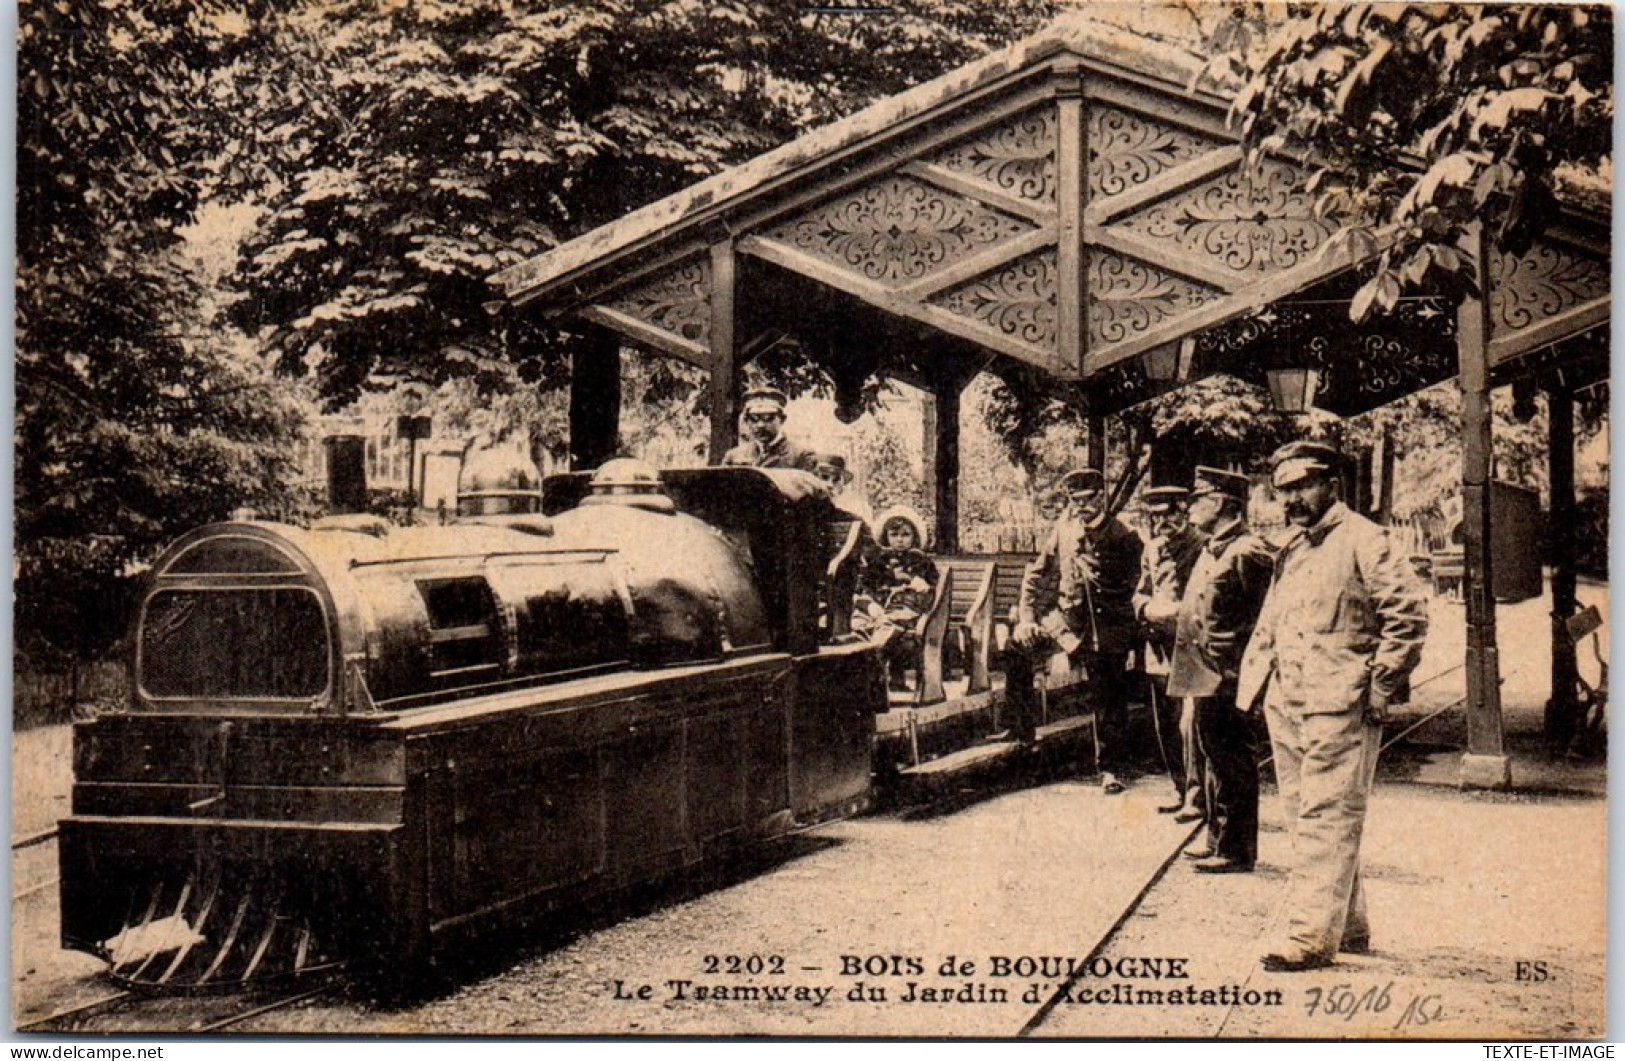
x=1424, y=119
x=1217, y=420
x=1223, y=422
x=423, y=146
x=661, y=421
x=134, y=419
x=890, y=475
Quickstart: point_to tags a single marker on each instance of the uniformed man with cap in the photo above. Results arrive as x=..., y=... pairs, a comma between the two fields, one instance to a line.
x=1340, y=631
x=765, y=445
x=1214, y=621
x=1078, y=595
x=1165, y=567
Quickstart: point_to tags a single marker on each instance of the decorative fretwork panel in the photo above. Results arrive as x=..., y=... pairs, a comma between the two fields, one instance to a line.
x=1541, y=283
x=1251, y=226
x=1388, y=356
x=1128, y=149
x=1017, y=157
x=1128, y=297
x=1124, y=384
x=676, y=301
x=1017, y=301
x=898, y=230
x=1376, y=366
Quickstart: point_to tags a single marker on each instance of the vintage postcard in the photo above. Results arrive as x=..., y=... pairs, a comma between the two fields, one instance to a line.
x=801, y=520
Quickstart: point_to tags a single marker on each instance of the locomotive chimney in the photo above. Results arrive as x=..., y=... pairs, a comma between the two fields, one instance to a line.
x=346, y=473
x=499, y=480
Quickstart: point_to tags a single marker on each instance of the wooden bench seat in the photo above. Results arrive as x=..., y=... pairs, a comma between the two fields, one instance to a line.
x=970, y=615
x=981, y=609
x=844, y=540
x=974, y=602
x=931, y=630
x=1448, y=569
x=1009, y=570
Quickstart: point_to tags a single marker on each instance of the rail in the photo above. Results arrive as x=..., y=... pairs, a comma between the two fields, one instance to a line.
x=34, y=839
x=74, y=1018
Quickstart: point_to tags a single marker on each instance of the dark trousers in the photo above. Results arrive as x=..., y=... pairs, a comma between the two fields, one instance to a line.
x=1177, y=756
x=1105, y=692
x=1228, y=741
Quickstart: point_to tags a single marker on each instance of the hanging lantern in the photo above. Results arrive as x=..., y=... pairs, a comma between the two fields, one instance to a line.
x=1293, y=389
x=1162, y=362
x=1170, y=361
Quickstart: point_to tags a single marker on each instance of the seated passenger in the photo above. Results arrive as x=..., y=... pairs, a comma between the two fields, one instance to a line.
x=889, y=608
x=831, y=469
x=900, y=528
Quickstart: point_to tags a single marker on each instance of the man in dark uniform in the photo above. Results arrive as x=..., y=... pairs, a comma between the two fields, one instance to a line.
x=761, y=421
x=1078, y=596
x=1164, y=570
x=1215, y=619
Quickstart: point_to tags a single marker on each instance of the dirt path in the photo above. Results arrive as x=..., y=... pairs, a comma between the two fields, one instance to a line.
x=1461, y=888
x=864, y=920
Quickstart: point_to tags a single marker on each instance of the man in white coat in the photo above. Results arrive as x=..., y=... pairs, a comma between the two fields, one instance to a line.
x=1340, y=631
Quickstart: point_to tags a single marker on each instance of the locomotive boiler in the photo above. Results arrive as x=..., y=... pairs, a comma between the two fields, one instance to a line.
x=358, y=743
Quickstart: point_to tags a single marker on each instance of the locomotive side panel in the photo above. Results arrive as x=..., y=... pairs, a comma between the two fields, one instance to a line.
x=716, y=782
x=501, y=833
x=836, y=694
x=532, y=801
x=645, y=809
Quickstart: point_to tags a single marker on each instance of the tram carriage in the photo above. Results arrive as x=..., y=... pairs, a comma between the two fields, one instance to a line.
x=358, y=743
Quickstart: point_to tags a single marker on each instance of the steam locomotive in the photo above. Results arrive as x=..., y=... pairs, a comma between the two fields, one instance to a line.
x=356, y=742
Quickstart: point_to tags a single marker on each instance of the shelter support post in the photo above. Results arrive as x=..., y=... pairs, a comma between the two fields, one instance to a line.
x=1071, y=167
x=595, y=398
x=1561, y=709
x=1485, y=764
x=724, y=393
x=928, y=448
x=1097, y=442
x=1385, y=478
x=945, y=482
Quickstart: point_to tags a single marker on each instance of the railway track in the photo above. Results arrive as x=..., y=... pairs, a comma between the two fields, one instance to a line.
x=1063, y=989
x=137, y=1012
x=134, y=1013
x=34, y=840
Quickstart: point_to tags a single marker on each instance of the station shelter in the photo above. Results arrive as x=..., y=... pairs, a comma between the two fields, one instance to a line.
x=1072, y=206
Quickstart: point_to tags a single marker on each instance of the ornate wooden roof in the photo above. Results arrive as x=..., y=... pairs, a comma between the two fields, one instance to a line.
x=1067, y=203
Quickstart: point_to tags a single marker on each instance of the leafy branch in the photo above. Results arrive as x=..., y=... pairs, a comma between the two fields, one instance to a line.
x=1421, y=120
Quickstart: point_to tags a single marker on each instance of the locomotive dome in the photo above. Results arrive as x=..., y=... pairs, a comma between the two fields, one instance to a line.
x=625, y=481
x=498, y=481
